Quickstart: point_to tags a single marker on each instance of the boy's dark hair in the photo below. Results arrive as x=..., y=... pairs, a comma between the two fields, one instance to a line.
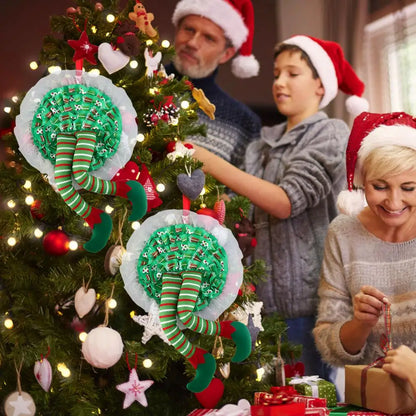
x=282, y=47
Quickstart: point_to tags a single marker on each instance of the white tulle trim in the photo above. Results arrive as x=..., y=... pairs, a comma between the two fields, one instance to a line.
x=119, y=97
x=225, y=237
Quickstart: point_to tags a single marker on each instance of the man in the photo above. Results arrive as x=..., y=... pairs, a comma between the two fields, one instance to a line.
x=208, y=34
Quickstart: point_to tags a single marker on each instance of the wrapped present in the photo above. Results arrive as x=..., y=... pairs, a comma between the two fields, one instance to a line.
x=317, y=411
x=310, y=402
x=375, y=389
x=201, y=412
x=276, y=396
x=315, y=387
x=370, y=413
x=290, y=409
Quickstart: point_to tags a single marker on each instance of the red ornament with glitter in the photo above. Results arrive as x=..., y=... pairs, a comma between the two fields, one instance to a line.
x=56, y=243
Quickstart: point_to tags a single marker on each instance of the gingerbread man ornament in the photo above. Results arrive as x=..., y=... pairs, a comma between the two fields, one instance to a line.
x=143, y=19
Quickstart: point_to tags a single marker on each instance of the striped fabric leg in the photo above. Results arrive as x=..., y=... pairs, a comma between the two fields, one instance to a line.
x=191, y=285
x=131, y=190
x=201, y=360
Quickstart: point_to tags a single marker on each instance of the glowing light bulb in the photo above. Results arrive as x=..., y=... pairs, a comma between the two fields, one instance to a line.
x=82, y=336
x=165, y=44
x=15, y=98
x=11, y=241
x=132, y=314
x=112, y=303
x=174, y=121
x=160, y=187
x=11, y=203
x=38, y=233
x=110, y=18
x=185, y=104
x=7, y=109
x=66, y=373
x=260, y=373
x=94, y=29
x=133, y=64
x=54, y=69
x=147, y=363
x=73, y=245
x=149, y=42
x=29, y=200
x=140, y=137
x=135, y=225
x=27, y=184
x=8, y=323
x=109, y=209
x=33, y=65
x=94, y=72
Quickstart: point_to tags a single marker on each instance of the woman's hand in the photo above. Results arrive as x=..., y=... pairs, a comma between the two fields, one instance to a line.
x=368, y=305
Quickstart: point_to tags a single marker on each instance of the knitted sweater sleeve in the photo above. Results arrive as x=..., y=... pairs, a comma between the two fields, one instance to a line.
x=335, y=306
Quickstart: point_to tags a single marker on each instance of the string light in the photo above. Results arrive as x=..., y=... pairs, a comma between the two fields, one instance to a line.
x=94, y=72
x=94, y=29
x=29, y=200
x=110, y=18
x=185, y=104
x=38, y=233
x=11, y=204
x=260, y=373
x=15, y=98
x=27, y=185
x=147, y=363
x=7, y=109
x=8, y=323
x=112, y=303
x=109, y=209
x=73, y=245
x=133, y=64
x=33, y=65
x=135, y=225
x=160, y=187
x=132, y=314
x=140, y=137
x=149, y=42
x=64, y=370
x=82, y=336
x=11, y=241
x=165, y=44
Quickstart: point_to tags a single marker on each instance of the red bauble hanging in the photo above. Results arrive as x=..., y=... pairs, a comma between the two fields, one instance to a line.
x=56, y=243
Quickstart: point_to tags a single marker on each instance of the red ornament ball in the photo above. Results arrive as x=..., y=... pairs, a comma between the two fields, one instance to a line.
x=56, y=243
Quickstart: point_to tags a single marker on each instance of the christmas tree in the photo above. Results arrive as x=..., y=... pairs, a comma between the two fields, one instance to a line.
x=63, y=263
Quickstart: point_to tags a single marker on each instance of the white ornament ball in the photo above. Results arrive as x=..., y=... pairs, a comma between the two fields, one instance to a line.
x=103, y=347
x=19, y=404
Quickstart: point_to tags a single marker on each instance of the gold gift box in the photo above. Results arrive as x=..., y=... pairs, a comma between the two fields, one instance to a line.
x=383, y=391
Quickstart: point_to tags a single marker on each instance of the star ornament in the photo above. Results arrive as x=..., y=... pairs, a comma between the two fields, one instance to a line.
x=134, y=389
x=83, y=49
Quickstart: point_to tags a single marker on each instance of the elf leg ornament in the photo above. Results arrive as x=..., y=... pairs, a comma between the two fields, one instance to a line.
x=69, y=116
x=98, y=220
x=131, y=190
x=191, y=271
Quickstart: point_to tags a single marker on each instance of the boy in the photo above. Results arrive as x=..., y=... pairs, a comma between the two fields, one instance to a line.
x=293, y=175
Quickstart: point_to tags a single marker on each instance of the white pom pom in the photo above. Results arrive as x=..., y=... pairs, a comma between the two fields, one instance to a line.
x=245, y=66
x=356, y=105
x=351, y=202
x=103, y=347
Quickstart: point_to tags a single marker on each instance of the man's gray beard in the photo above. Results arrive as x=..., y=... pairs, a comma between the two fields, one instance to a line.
x=193, y=72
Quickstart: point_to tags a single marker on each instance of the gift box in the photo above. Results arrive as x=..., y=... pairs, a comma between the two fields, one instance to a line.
x=201, y=412
x=310, y=402
x=317, y=411
x=375, y=389
x=290, y=409
x=315, y=387
x=370, y=413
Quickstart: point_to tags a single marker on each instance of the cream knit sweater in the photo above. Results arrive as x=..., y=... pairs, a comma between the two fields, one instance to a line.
x=354, y=257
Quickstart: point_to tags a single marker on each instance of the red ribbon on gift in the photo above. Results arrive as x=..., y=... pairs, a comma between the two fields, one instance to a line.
x=386, y=345
x=277, y=395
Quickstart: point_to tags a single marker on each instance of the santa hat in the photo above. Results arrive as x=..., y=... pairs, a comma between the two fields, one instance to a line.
x=236, y=19
x=369, y=131
x=334, y=71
